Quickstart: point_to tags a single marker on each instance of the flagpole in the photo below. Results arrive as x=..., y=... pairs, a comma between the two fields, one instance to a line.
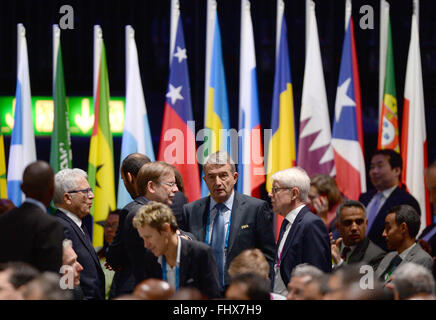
x=308, y=4
x=280, y=16
x=56, y=39
x=210, y=30
x=175, y=14
x=98, y=39
x=416, y=11
x=348, y=8
x=384, y=17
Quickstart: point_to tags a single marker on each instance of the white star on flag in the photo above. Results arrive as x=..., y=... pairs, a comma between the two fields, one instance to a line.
x=174, y=94
x=342, y=99
x=181, y=54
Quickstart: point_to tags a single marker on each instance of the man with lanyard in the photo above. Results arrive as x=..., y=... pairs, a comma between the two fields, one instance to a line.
x=182, y=263
x=226, y=220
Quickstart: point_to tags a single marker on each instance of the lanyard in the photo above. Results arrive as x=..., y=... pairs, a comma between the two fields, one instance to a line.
x=207, y=241
x=164, y=272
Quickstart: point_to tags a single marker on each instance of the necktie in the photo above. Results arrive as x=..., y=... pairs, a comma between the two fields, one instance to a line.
x=394, y=264
x=372, y=212
x=344, y=253
x=218, y=241
x=282, y=230
x=85, y=231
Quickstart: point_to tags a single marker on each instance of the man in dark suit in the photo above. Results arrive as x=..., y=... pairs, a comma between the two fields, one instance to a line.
x=117, y=252
x=385, y=173
x=228, y=221
x=429, y=233
x=303, y=236
x=73, y=198
x=181, y=262
x=353, y=246
x=28, y=233
x=402, y=226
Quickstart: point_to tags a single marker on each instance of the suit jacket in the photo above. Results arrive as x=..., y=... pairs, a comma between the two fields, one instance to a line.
x=432, y=240
x=308, y=241
x=29, y=234
x=177, y=207
x=198, y=268
x=92, y=280
x=398, y=196
x=127, y=248
x=368, y=252
x=250, y=227
x=416, y=255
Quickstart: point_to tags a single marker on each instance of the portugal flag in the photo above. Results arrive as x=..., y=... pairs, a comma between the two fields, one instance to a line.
x=101, y=160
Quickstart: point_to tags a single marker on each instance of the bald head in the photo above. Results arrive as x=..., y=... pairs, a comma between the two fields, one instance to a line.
x=153, y=289
x=38, y=181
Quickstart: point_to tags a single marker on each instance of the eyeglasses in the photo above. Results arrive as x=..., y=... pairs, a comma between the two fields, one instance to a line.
x=88, y=191
x=275, y=189
x=169, y=184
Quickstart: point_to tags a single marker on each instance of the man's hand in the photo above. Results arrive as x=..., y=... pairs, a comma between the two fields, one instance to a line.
x=321, y=205
x=110, y=268
x=336, y=255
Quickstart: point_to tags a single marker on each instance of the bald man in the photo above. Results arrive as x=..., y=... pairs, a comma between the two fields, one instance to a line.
x=28, y=233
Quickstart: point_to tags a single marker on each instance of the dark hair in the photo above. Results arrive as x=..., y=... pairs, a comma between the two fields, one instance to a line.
x=349, y=204
x=133, y=162
x=407, y=214
x=258, y=287
x=394, y=157
x=326, y=184
x=21, y=272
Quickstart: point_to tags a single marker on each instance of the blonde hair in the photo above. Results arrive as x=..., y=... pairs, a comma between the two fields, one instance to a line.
x=155, y=214
x=250, y=260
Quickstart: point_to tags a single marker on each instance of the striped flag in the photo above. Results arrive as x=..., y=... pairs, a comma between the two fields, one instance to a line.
x=347, y=139
x=177, y=145
x=250, y=160
x=388, y=131
x=136, y=134
x=315, y=153
x=3, y=182
x=22, y=150
x=414, y=137
x=216, y=109
x=101, y=160
x=282, y=146
x=60, y=151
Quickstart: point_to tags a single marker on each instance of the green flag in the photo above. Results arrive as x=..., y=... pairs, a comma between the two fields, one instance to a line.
x=60, y=152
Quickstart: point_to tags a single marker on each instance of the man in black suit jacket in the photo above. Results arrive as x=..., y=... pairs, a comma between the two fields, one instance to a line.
x=155, y=182
x=385, y=173
x=73, y=198
x=353, y=246
x=28, y=233
x=303, y=236
x=181, y=262
x=247, y=220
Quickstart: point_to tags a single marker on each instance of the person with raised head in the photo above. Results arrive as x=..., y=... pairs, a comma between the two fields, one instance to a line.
x=73, y=199
x=353, y=246
x=385, y=174
x=181, y=262
x=117, y=257
x=227, y=220
x=28, y=233
x=401, y=227
x=303, y=237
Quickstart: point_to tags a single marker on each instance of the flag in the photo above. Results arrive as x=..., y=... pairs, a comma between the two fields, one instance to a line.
x=347, y=138
x=216, y=111
x=136, y=134
x=315, y=153
x=177, y=145
x=101, y=159
x=414, y=138
x=282, y=146
x=388, y=131
x=60, y=149
x=22, y=150
x=3, y=182
x=250, y=160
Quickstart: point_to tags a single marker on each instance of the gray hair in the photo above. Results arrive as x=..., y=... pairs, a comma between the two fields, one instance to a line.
x=67, y=243
x=305, y=269
x=220, y=157
x=349, y=204
x=410, y=279
x=66, y=180
x=294, y=177
x=47, y=285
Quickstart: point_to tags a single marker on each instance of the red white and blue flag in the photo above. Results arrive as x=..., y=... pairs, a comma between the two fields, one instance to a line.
x=177, y=145
x=347, y=137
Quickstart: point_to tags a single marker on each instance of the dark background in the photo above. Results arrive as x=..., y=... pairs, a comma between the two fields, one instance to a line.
x=151, y=21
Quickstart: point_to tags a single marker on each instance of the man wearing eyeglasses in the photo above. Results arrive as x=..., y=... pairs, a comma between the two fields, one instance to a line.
x=73, y=198
x=303, y=236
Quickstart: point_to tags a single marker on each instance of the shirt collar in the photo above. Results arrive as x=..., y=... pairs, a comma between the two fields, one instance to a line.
x=293, y=214
x=228, y=203
x=406, y=252
x=36, y=203
x=72, y=216
x=179, y=250
x=386, y=193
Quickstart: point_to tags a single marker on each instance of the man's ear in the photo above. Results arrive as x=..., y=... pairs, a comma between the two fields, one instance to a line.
x=404, y=228
x=150, y=187
x=130, y=177
x=295, y=193
x=397, y=171
x=67, y=198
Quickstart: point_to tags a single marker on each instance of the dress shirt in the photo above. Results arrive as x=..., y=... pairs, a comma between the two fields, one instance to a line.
x=171, y=271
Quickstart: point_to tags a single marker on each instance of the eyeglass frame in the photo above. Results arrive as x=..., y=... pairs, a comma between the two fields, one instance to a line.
x=87, y=190
x=275, y=189
x=169, y=184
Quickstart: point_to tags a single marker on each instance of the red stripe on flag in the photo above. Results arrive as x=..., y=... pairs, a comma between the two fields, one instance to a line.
x=349, y=179
x=257, y=171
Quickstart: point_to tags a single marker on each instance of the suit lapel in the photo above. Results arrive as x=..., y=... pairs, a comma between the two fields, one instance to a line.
x=292, y=232
x=202, y=207
x=236, y=222
x=359, y=251
x=184, y=263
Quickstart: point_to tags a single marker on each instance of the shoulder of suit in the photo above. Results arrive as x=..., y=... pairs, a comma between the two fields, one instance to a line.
x=375, y=248
x=252, y=200
x=201, y=201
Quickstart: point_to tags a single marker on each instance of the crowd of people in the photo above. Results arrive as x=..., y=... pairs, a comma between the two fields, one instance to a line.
x=221, y=246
